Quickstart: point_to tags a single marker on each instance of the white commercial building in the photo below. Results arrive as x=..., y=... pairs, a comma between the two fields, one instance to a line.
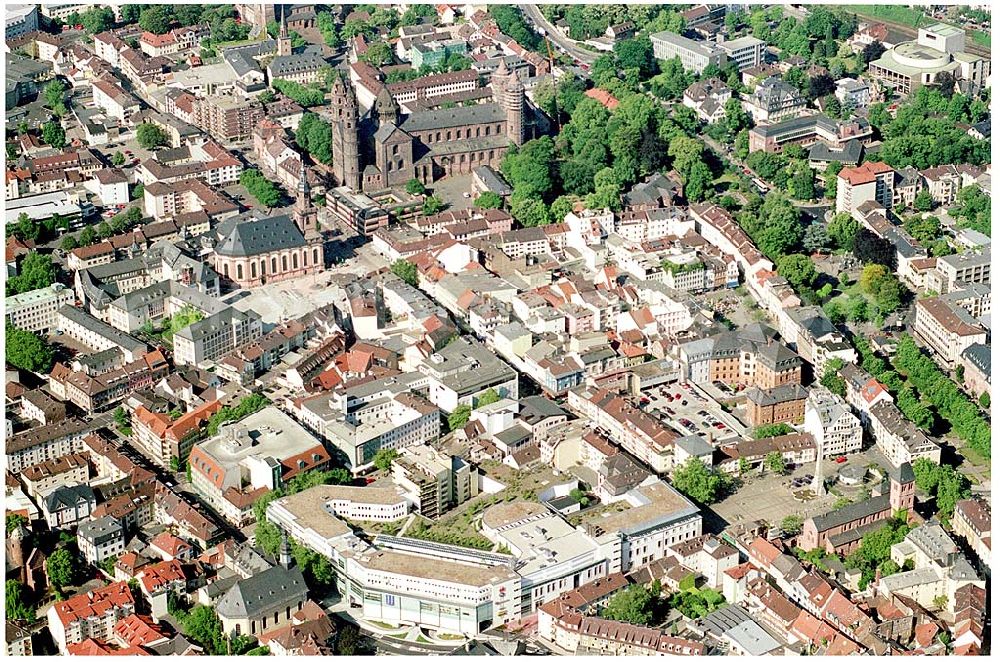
x=38, y=310
x=899, y=439
x=695, y=56
x=746, y=52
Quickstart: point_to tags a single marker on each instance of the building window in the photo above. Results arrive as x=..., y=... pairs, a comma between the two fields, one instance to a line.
x=274, y=265
x=295, y=260
x=284, y=263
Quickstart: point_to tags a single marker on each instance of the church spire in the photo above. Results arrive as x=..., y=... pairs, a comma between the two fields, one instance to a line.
x=284, y=42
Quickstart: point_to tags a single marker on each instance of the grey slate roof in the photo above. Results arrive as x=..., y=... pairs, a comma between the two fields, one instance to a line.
x=852, y=512
x=849, y=153
x=68, y=496
x=262, y=236
x=447, y=118
x=285, y=65
x=263, y=593
x=978, y=355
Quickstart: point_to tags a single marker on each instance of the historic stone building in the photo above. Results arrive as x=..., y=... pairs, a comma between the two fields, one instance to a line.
x=385, y=148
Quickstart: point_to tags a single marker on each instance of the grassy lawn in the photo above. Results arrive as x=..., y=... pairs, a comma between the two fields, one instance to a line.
x=895, y=13
x=979, y=37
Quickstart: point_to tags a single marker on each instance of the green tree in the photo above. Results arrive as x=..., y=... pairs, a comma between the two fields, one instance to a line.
x=36, y=271
x=383, y=459
x=314, y=135
x=348, y=635
x=406, y=270
x=488, y=200
x=55, y=97
x=27, y=351
x=832, y=381
x=156, y=18
x=458, y=418
x=379, y=54
x=432, y=205
x=415, y=187
x=984, y=400
x=636, y=605
x=118, y=160
x=16, y=601
x=53, y=134
x=775, y=462
x=151, y=136
x=202, y=625
x=488, y=397
x=97, y=20
x=842, y=229
x=923, y=201
x=699, y=482
x=15, y=520
x=88, y=236
x=260, y=187
x=743, y=465
x=798, y=269
x=791, y=525
x=61, y=568
x=121, y=417
x=772, y=430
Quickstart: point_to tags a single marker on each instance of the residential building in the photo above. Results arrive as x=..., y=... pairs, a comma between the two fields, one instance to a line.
x=971, y=523
x=100, y=539
x=947, y=327
x=212, y=338
x=694, y=55
x=853, y=93
x=44, y=443
x=37, y=310
x=461, y=371
x=432, y=481
x=227, y=118
x=368, y=417
x=871, y=181
x=773, y=100
x=829, y=420
x=951, y=272
x=794, y=448
x=168, y=441
x=90, y=615
x=781, y=404
x=708, y=99
x=899, y=439
x=67, y=505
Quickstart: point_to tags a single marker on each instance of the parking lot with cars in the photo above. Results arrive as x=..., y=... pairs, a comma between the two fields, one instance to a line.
x=688, y=410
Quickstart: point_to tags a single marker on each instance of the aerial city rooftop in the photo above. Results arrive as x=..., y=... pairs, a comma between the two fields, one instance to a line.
x=413, y=329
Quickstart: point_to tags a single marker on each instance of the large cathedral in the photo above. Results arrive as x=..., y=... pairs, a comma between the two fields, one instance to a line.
x=386, y=149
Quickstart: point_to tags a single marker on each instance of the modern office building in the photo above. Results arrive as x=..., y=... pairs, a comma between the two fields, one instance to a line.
x=746, y=51
x=38, y=310
x=694, y=55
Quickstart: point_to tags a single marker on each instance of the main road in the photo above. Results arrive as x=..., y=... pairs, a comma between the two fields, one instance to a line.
x=532, y=13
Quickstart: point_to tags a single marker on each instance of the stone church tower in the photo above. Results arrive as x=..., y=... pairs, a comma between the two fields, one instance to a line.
x=344, y=141
x=304, y=214
x=508, y=92
x=284, y=41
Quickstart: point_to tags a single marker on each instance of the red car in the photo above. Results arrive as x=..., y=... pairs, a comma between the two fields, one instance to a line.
x=841, y=459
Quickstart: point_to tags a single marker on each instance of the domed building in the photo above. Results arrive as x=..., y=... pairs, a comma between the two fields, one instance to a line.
x=386, y=149
x=937, y=51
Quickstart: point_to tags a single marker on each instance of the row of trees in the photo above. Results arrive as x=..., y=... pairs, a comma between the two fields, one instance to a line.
x=951, y=403
x=305, y=96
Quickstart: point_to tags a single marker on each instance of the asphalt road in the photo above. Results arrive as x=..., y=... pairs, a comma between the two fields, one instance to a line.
x=535, y=16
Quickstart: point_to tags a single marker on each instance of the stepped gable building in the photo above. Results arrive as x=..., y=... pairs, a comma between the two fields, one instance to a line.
x=386, y=148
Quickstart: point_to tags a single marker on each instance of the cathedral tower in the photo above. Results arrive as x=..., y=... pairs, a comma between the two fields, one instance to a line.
x=344, y=141
x=508, y=92
x=284, y=41
x=386, y=108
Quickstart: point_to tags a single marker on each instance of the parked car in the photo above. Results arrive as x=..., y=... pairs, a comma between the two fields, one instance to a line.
x=841, y=459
